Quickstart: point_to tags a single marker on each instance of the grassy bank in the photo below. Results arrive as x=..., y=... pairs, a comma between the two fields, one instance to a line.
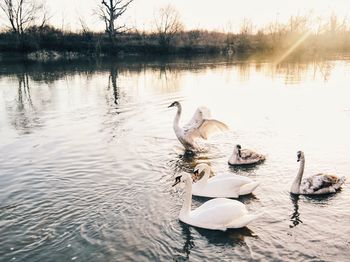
x=190, y=42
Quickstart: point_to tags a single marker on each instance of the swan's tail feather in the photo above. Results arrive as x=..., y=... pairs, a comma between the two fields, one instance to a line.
x=244, y=220
x=248, y=188
x=339, y=183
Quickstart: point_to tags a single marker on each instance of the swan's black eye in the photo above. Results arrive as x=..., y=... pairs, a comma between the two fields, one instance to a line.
x=239, y=147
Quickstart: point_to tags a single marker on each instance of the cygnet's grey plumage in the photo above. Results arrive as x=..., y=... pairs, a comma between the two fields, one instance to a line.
x=245, y=157
x=315, y=184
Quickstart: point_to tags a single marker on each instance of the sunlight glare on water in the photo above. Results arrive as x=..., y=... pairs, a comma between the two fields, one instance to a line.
x=88, y=156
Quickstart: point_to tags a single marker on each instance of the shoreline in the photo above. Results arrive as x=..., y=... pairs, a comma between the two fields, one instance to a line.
x=49, y=56
x=49, y=43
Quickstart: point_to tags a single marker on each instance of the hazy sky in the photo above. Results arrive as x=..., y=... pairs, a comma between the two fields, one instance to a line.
x=218, y=14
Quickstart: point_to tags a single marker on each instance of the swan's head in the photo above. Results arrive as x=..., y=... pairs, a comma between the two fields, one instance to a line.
x=300, y=156
x=200, y=168
x=182, y=178
x=176, y=104
x=237, y=150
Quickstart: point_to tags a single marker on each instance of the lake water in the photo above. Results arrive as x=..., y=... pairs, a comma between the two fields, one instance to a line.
x=88, y=156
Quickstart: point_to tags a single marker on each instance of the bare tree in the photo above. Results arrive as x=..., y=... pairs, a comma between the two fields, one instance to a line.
x=335, y=25
x=22, y=14
x=110, y=11
x=299, y=23
x=168, y=24
x=84, y=27
x=246, y=27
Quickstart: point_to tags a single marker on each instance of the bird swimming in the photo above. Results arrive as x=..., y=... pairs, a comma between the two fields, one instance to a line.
x=223, y=185
x=245, y=157
x=201, y=126
x=215, y=214
x=315, y=184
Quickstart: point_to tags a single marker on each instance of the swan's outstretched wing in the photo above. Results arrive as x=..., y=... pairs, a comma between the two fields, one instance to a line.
x=201, y=126
x=206, y=128
x=198, y=117
x=211, y=126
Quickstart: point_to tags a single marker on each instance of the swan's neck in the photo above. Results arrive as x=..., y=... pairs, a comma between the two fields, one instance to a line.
x=186, y=207
x=203, y=181
x=296, y=184
x=177, y=118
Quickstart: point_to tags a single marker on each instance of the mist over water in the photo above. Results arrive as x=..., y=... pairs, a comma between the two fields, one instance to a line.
x=88, y=156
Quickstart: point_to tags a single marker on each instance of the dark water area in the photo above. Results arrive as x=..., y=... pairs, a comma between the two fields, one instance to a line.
x=88, y=156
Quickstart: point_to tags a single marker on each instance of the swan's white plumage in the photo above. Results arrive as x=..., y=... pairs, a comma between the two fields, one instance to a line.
x=245, y=157
x=315, y=184
x=215, y=214
x=200, y=126
x=224, y=185
x=196, y=120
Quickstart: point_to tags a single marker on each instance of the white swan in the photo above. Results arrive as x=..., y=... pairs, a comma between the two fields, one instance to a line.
x=226, y=185
x=316, y=184
x=245, y=157
x=200, y=126
x=215, y=214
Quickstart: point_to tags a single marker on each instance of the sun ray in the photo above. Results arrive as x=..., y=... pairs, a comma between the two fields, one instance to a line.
x=293, y=47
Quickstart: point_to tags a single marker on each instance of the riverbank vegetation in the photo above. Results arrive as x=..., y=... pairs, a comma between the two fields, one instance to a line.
x=34, y=34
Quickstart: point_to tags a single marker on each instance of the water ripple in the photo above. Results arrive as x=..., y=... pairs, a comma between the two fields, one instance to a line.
x=87, y=176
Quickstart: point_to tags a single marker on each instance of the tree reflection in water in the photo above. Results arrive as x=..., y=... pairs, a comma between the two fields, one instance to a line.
x=23, y=116
x=112, y=81
x=24, y=90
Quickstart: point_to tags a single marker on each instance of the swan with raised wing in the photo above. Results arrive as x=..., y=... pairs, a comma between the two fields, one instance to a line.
x=223, y=185
x=316, y=184
x=200, y=126
x=245, y=157
x=215, y=214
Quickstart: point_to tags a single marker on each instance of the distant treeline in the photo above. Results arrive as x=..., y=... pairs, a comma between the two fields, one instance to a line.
x=29, y=30
x=48, y=38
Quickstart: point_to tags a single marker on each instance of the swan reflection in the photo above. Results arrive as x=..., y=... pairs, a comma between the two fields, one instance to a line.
x=184, y=162
x=189, y=243
x=295, y=216
x=230, y=237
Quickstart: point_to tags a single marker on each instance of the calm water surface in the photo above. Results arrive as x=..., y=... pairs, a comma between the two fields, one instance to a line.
x=88, y=156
